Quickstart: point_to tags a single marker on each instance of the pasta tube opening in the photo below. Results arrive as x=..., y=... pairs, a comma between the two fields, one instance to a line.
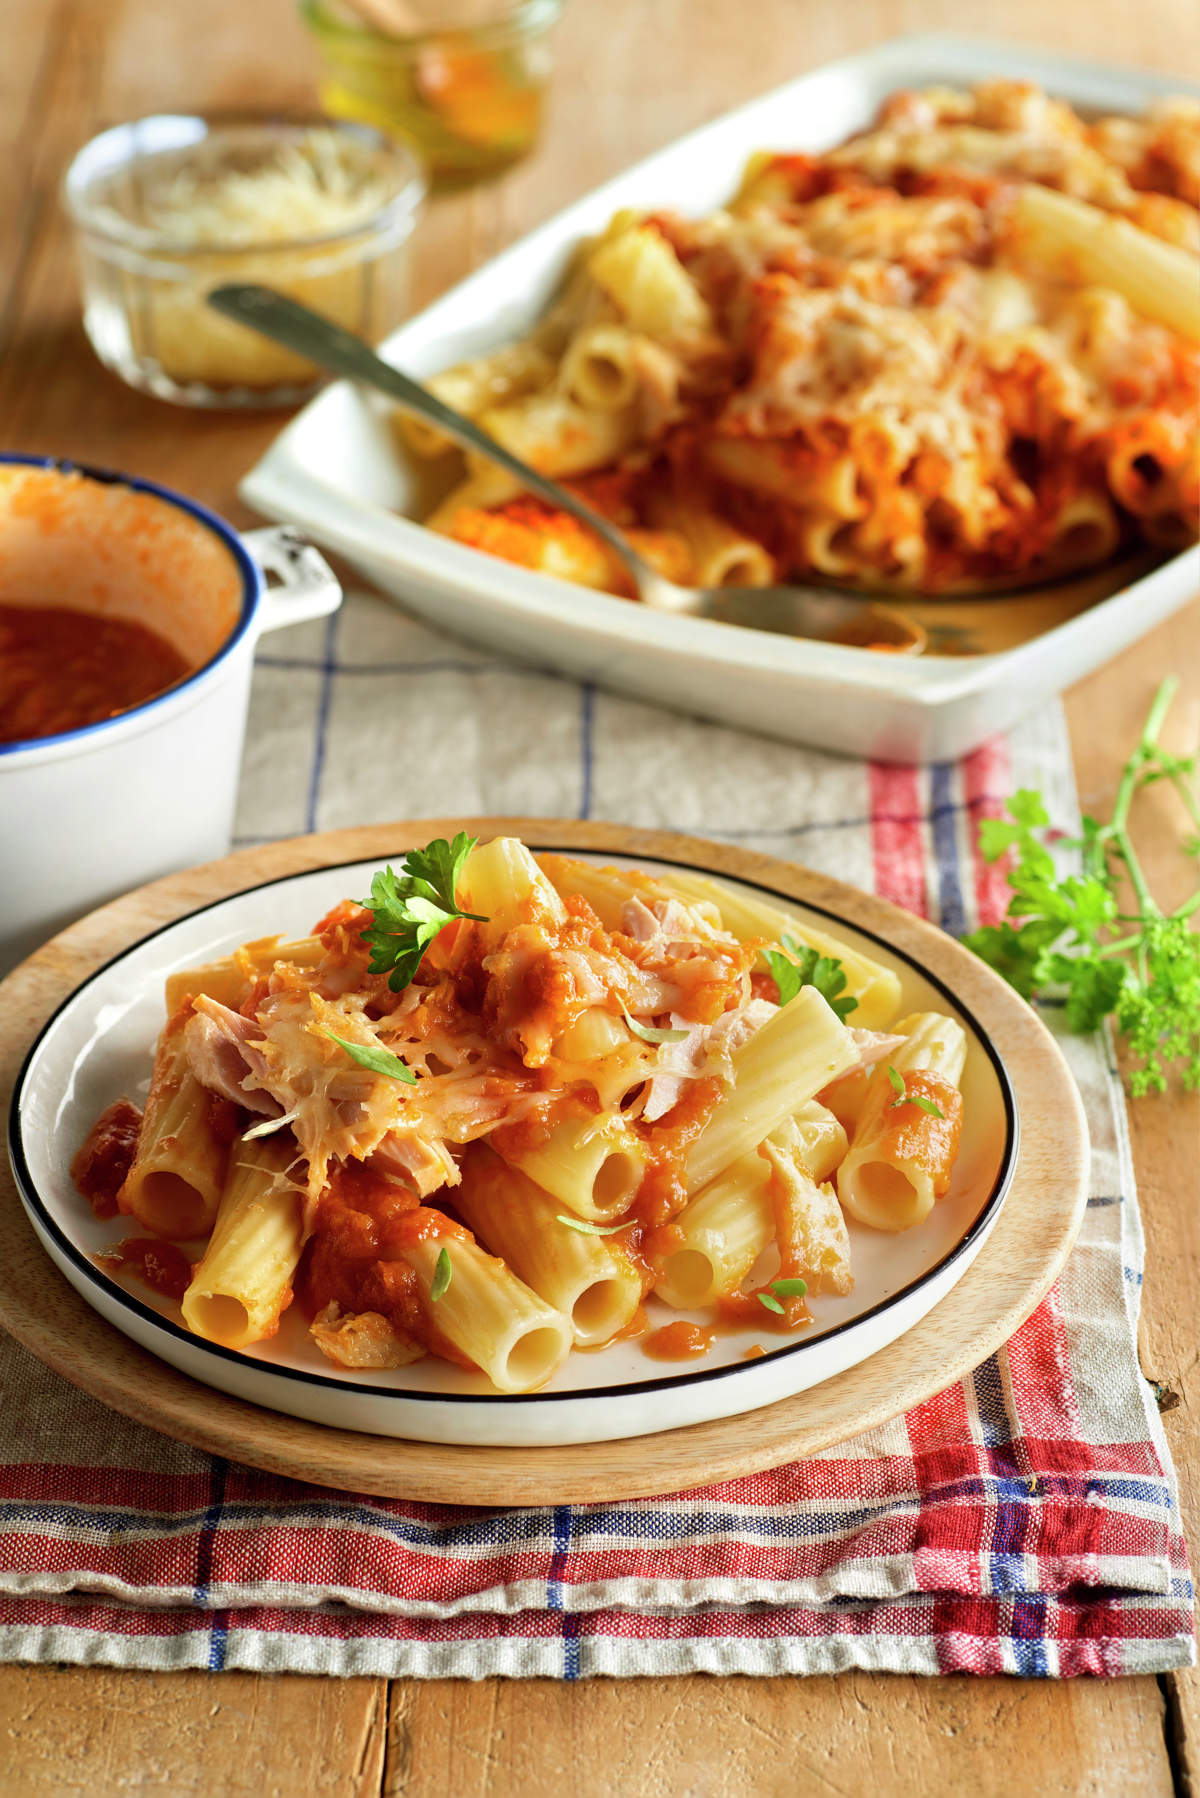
x=599, y=1312
x=172, y=1206
x=884, y=1197
x=616, y=1183
x=688, y=1279
x=219, y=1317
x=532, y=1358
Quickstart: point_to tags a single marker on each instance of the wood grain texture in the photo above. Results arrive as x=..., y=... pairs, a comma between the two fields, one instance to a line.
x=1014, y=1270
x=632, y=75
x=92, y=1731
x=838, y=1737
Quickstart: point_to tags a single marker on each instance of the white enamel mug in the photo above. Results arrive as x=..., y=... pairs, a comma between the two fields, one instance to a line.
x=90, y=813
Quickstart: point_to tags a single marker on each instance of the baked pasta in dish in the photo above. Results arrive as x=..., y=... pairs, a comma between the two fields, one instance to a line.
x=957, y=352
x=498, y=1110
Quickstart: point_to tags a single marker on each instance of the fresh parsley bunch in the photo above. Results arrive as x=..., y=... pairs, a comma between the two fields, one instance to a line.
x=1070, y=938
x=802, y=966
x=410, y=908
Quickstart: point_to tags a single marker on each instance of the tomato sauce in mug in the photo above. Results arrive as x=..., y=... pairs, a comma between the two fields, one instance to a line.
x=61, y=669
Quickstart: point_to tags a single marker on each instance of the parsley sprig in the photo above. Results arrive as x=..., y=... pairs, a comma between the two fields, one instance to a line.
x=410, y=908
x=1072, y=939
x=804, y=966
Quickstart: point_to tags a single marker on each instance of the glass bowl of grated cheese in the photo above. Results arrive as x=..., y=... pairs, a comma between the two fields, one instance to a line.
x=167, y=208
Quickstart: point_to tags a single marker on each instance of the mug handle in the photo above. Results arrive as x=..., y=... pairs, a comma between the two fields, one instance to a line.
x=307, y=586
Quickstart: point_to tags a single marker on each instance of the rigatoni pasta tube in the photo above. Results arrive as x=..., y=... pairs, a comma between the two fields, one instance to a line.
x=1087, y=244
x=470, y=387
x=642, y=275
x=500, y=880
x=227, y=980
x=590, y=1279
x=244, y=1281
x=599, y=368
x=593, y=1165
x=902, y=1154
x=557, y=436
x=489, y=1315
x=876, y=988
x=719, y=1234
x=779, y=1069
x=796, y=1052
x=174, y=1184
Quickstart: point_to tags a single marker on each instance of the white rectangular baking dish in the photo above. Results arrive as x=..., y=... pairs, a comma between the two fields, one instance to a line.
x=337, y=472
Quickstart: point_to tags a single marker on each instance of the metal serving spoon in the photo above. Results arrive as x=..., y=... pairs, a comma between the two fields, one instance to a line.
x=793, y=611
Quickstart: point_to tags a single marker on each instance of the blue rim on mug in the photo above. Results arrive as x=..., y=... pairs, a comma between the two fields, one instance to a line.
x=252, y=588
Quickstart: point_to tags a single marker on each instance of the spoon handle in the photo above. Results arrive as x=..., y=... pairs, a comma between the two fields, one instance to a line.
x=309, y=333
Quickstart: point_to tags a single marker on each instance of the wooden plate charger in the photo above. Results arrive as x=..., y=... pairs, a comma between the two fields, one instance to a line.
x=1013, y=1272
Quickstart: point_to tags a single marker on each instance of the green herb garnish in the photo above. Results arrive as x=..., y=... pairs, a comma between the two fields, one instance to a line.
x=443, y=1273
x=410, y=908
x=802, y=966
x=586, y=1229
x=781, y=1289
x=906, y=1098
x=650, y=1033
x=379, y=1060
x=1073, y=941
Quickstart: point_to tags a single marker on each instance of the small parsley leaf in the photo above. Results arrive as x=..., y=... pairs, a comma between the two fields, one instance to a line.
x=904, y=1097
x=586, y=1229
x=379, y=1060
x=650, y=1033
x=770, y=1302
x=804, y=966
x=790, y=1289
x=443, y=1273
x=408, y=909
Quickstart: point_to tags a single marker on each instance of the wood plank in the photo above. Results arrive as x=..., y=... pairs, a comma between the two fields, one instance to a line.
x=95, y=1731
x=25, y=73
x=743, y=1738
x=1106, y=713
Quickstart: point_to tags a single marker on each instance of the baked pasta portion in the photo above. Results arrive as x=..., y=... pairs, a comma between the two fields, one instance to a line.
x=957, y=352
x=516, y=1105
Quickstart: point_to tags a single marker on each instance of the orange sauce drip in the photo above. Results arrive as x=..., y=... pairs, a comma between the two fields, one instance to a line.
x=754, y=1352
x=362, y=1228
x=103, y=1161
x=679, y=1341
x=161, y=1265
x=920, y=1136
x=663, y=1192
x=61, y=669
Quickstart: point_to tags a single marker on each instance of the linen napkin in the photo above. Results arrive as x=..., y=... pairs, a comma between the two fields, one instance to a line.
x=1024, y=1521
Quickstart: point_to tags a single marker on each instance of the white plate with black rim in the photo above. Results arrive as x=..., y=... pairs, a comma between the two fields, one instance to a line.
x=98, y=1046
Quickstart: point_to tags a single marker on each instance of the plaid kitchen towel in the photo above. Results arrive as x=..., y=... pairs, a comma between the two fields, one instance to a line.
x=1025, y=1521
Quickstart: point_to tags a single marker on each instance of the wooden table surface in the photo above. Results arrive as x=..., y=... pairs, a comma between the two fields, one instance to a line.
x=632, y=75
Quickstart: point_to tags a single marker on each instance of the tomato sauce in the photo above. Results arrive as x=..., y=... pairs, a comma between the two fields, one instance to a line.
x=663, y=1191
x=160, y=1264
x=61, y=669
x=362, y=1227
x=102, y=1163
x=679, y=1342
